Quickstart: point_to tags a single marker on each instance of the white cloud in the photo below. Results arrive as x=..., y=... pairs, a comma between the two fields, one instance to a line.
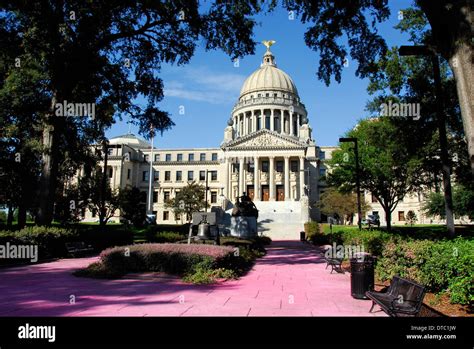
x=204, y=85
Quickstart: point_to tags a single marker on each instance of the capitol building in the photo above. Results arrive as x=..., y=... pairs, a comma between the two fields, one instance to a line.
x=267, y=152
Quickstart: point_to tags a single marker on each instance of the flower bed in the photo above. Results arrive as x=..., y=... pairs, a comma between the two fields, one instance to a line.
x=198, y=263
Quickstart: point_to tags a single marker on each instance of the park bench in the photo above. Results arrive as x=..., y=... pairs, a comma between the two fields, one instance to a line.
x=76, y=249
x=335, y=264
x=403, y=297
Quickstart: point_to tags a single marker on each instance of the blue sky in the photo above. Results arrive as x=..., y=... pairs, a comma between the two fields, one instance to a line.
x=209, y=85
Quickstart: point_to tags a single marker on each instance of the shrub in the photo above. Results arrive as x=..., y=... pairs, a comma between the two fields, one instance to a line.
x=177, y=259
x=50, y=240
x=162, y=237
x=103, y=237
x=446, y=265
x=314, y=234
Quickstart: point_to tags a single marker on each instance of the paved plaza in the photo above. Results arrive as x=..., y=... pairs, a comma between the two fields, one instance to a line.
x=291, y=280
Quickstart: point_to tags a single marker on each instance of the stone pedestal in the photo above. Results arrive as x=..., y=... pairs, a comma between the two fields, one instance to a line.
x=243, y=227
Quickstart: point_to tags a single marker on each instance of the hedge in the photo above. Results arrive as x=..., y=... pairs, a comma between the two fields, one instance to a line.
x=441, y=265
x=51, y=240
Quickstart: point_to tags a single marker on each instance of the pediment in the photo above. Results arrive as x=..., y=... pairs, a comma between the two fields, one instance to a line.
x=265, y=139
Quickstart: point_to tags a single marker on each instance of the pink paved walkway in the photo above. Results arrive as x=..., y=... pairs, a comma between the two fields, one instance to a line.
x=289, y=281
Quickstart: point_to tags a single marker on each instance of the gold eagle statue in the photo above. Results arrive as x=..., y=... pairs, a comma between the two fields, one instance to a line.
x=268, y=43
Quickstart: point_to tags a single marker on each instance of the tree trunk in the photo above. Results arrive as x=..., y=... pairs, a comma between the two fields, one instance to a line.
x=461, y=64
x=388, y=218
x=21, y=215
x=10, y=215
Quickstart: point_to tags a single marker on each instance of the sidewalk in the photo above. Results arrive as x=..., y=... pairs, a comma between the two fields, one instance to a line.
x=290, y=280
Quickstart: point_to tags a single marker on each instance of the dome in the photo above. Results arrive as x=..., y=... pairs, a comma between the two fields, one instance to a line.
x=268, y=77
x=131, y=140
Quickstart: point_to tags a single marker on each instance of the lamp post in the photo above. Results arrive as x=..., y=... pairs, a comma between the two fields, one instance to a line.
x=207, y=188
x=151, y=176
x=356, y=152
x=441, y=120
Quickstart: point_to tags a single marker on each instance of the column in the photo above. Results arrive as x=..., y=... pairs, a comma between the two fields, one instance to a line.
x=272, y=121
x=247, y=122
x=262, y=119
x=256, y=178
x=298, y=116
x=241, y=176
x=291, y=124
x=302, y=177
x=282, y=121
x=254, y=121
x=287, y=178
x=271, y=175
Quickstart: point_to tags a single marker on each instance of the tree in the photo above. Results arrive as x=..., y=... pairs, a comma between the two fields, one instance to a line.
x=108, y=53
x=342, y=204
x=410, y=80
x=411, y=217
x=450, y=35
x=464, y=201
x=188, y=200
x=387, y=170
x=132, y=207
x=434, y=205
x=90, y=188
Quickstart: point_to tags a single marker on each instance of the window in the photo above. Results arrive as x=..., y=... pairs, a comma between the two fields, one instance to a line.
x=279, y=165
x=179, y=175
x=250, y=167
x=179, y=157
x=214, y=156
x=190, y=175
x=202, y=175
x=213, y=197
x=264, y=166
x=155, y=196
x=213, y=175
x=177, y=216
x=167, y=175
x=129, y=172
x=322, y=172
x=156, y=175
x=190, y=157
x=168, y=157
x=166, y=195
x=157, y=157
x=202, y=157
x=267, y=122
x=374, y=198
x=166, y=215
x=322, y=155
x=146, y=158
x=145, y=176
x=94, y=213
x=111, y=172
x=110, y=151
x=294, y=166
x=401, y=216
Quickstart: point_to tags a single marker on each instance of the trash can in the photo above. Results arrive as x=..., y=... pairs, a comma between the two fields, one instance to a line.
x=362, y=275
x=302, y=236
